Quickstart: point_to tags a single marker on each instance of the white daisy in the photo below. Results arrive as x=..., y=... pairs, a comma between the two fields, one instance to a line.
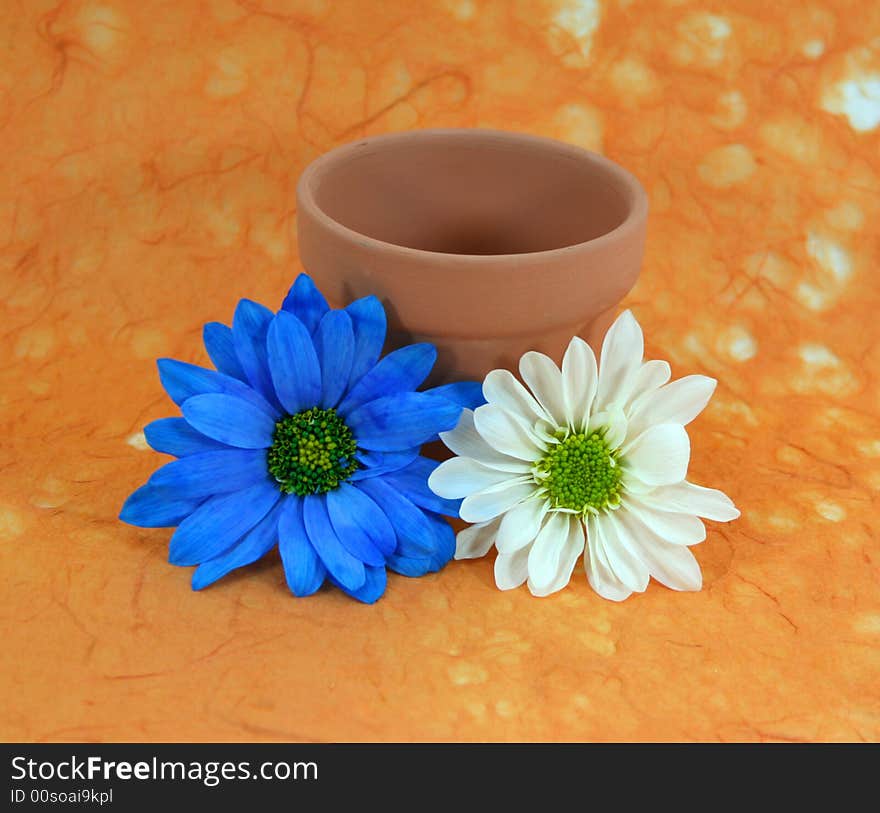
x=583, y=460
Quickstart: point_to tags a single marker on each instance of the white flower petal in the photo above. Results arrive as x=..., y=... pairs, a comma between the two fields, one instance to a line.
x=672, y=565
x=545, y=433
x=677, y=402
x=572, y=548
x=636, y=486
x=649, y=377
x=617, y=426
x=620, y=553
x=613, y=420
x=502, y=389
x=461, y=477
x=675, y=528
x=511, y=569
x=659, y=456
x=621, y=358
x=599, y=573
x=544, y=556
x=465, y=441
x=544, y=379
x=486, y=505
x=506, y=434
x=688, y=498
x=579, y=382
x=521, y=524
x=475, y=540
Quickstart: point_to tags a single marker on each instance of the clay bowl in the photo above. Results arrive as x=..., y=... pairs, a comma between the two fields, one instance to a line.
x=486, y=243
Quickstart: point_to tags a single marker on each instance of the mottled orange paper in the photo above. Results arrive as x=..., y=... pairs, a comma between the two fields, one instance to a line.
x=148, y=158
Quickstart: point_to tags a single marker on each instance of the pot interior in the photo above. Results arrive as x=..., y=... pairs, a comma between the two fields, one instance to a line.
x=472, y=194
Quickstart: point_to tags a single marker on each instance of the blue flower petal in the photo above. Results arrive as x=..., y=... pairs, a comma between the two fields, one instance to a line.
x=294, y=363
x=399, y=422
x=306, y=302
x=249, y=328
x=410, y=561
x=334, y=344
x=217, y=524
x=373, y=587
x=467, y=394
x=229, y=420
x=444, y=536
x=400, y=371
x=303, y=569
x=175, y=436
x=360, y=524
x=152, y=507
x=254, y=545
x=414, y=532
x=375, y=463
x=425, y=542
x=370, y=323
x=410, y=566
x=202, y=475
x=344, y=567
x=412, y=482
x=221, y=349
x=182, y=381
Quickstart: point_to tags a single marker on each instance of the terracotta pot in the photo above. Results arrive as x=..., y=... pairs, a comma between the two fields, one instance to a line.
x=486, y=243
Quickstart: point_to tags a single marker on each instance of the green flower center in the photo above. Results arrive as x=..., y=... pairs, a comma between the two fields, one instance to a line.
x=312, y=452
x=581, y=473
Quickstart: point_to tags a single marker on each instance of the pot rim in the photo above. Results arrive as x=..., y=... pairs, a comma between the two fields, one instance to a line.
x=623, y=179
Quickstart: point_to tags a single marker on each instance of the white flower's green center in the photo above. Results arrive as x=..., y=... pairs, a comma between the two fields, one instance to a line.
x=312, y=452
x=581, y=473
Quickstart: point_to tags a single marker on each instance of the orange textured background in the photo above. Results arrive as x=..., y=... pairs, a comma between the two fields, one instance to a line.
x=148, y=157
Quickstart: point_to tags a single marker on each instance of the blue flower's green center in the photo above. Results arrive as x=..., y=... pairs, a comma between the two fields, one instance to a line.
x=312, y=452
x=581, y=473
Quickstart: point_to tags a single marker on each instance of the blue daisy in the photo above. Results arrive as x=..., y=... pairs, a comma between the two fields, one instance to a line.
x=305, y=438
